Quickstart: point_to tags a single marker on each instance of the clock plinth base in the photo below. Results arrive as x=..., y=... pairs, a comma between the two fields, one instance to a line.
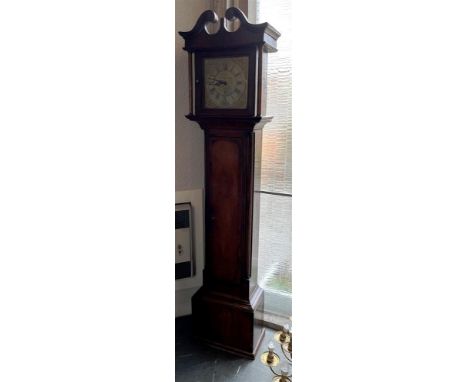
x=229, y=324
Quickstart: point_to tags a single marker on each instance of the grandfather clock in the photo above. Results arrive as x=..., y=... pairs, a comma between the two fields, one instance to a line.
x=227, y=99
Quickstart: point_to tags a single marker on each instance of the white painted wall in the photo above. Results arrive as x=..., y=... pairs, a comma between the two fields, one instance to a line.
x=189, y=146
x=189, y=150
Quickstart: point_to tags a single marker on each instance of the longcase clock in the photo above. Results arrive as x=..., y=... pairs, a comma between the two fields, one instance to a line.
x=227, y=99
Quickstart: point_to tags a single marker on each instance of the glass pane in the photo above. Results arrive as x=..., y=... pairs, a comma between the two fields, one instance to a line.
x=276, y=156
x=274, y=263
x=274, y=269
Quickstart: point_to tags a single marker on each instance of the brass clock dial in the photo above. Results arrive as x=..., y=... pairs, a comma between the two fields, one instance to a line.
x=226, y=82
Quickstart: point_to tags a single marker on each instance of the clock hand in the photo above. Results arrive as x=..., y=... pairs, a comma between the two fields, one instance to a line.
x=216, y=82
x=212, y=81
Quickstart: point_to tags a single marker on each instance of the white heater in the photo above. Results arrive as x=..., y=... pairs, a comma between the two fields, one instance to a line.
x=184, y=265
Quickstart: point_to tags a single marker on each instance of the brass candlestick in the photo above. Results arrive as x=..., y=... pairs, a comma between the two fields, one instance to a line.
x=271, y=359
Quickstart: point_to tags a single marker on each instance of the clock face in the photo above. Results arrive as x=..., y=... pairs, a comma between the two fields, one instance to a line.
x=226, y=82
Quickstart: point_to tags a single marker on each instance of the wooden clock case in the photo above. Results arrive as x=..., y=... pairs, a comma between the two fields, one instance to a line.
x=227, y=309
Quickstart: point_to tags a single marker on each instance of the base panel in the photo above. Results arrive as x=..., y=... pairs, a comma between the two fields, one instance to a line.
x=229, y=324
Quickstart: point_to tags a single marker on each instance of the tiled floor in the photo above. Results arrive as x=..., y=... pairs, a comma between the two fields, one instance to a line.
x=196, y=362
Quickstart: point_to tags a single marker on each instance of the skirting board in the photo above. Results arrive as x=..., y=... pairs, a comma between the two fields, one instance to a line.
x=183, y=301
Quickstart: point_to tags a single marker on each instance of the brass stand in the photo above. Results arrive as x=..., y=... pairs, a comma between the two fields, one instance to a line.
x=271, y=359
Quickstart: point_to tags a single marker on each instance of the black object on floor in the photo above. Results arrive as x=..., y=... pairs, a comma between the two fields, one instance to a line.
x=196, y=362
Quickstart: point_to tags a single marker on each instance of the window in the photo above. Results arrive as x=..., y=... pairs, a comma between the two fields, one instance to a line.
x=274, y=267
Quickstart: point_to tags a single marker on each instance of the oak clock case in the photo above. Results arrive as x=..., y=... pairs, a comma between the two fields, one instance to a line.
x=227, y=97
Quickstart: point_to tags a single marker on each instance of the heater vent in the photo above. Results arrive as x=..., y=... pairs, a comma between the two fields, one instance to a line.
x=183, y=245
x=182, y=219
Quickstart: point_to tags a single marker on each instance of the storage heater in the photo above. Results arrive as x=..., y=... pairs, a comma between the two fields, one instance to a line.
x=184, y=264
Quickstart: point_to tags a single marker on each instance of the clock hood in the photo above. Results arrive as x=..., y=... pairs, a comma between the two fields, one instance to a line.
x=199, y=39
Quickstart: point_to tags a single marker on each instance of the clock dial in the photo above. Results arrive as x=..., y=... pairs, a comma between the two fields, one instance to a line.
x=226, y=82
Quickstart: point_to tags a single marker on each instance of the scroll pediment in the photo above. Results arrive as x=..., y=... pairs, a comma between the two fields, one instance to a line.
x=247, y=34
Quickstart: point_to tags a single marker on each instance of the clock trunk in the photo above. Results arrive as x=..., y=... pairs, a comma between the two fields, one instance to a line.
x=227, y=310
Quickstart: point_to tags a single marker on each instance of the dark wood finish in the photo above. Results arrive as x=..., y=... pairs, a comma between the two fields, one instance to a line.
x=229, y=324
x=198, y=39
x=227, y=309
x=230, y=303
x=253, y=40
